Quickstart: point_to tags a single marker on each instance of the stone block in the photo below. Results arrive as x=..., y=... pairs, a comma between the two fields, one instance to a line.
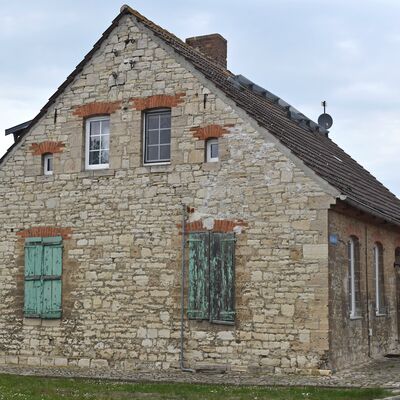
x=315, y=251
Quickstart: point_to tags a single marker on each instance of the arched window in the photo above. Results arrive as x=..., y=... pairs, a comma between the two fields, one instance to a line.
x=379, y=280
x=354, y=291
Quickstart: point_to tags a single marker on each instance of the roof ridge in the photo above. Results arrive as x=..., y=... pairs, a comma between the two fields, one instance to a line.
x=152, y=25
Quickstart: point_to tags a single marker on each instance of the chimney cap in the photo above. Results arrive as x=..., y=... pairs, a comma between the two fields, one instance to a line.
x=208, y=36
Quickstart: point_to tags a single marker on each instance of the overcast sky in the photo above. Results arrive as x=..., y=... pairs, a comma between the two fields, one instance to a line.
x=305, y=51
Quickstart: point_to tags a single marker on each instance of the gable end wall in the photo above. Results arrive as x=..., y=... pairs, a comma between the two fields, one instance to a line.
x=121, y=303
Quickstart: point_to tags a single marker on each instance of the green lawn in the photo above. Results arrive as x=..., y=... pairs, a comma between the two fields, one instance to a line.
x=19, y=387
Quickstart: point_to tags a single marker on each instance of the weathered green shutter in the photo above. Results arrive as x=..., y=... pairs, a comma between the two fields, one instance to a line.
x=52, y=270
x=33, y=272
x=43, y=269
x=222, y=289
x=198, y=275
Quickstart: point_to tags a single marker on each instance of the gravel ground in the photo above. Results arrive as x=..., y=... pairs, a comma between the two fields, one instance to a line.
x=383, y=373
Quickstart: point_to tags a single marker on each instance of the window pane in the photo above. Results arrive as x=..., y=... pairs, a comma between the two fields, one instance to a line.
x=152, y=137
x=165, y=152
x=104, y=157
x=153, y=121
x=95, y=128
x=105, y=142
x=94, y=157
x=165, y=120
x=94, y=143
x=152, y=153
x=50, y=163
x=165, y=136
x=105, y=127
x=214, y=150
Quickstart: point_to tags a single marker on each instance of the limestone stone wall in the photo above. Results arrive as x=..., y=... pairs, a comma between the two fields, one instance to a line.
x=355, y=340
x=122, y=242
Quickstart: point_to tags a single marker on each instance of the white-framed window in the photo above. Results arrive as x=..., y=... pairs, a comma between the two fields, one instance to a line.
x=379, y=280
x=212, y=153
x=97, y=142
x=157, y=137
x=354, y=272
x=48, y=164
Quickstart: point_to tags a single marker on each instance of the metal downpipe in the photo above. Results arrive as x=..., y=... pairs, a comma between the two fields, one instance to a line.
x=182, y=364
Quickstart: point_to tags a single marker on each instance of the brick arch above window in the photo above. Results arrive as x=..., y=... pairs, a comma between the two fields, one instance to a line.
x=47, y=147
x=157, y=101
x=45, y=231
x=220, y=225
x=97, y=108
x=210, y=131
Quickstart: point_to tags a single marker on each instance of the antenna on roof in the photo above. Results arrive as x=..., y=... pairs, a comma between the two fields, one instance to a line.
x=325, y=120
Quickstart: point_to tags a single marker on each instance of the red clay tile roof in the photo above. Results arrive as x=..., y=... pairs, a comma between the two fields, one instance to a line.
x=315, y=149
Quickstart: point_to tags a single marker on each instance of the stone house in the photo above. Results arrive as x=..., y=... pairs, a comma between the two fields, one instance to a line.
x=161, y=212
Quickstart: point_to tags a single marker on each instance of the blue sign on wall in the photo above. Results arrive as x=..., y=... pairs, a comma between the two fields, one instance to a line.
x=333, y=238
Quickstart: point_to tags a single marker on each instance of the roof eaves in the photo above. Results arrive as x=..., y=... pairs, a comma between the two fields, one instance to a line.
x=372, y=211
x=17, y=129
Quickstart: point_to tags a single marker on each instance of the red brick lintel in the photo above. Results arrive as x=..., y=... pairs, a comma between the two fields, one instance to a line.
x=210, y=131
x=157, y=101
x=47, y=147
x=139, y=103
x=45, y=231
x=97, y=108
x=220, y=225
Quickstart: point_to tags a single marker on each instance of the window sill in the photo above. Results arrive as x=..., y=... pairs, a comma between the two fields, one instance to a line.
x=380, y=315
x=355, y=318
x=150, y=164
x=96, y=167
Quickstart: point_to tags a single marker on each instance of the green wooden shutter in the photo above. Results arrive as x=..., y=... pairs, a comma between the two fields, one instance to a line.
x=52, y=270
x=198, y=275
x=222, y=273
x=33, y=283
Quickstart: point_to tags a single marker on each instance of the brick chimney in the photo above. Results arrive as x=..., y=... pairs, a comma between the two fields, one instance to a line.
x=213, y=46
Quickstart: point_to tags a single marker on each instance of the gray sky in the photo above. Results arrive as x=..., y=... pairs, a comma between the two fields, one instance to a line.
x=305, y=51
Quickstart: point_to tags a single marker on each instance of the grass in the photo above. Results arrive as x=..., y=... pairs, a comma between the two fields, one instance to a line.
x=36, y=388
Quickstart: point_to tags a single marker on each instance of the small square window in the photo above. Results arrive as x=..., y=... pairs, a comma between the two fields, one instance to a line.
x=212, y=150
x=48, y=164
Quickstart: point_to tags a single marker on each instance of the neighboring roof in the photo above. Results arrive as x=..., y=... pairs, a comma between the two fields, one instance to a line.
x=300, y=135
x=17, y=129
